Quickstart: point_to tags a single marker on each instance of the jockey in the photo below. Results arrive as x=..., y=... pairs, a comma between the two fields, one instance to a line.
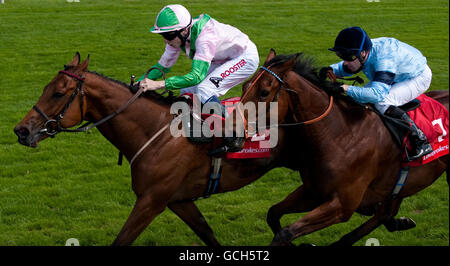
x=398, y=74
x=222, y=56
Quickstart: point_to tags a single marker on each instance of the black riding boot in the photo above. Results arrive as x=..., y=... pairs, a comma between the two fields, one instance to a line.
x=421, y=146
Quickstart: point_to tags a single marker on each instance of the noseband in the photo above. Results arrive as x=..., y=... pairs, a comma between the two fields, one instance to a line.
x=53, y=126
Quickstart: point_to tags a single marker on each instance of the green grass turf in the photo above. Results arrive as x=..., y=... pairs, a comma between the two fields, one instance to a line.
x=70, y=186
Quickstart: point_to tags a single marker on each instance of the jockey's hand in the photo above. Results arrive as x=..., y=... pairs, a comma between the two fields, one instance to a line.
x=151, y=85
x=345, y=87
x=324, y=71
x=336, y=88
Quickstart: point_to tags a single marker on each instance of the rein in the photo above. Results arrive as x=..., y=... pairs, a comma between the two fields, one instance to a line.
x=53, y=126
x=56, y=123
x=283, y=84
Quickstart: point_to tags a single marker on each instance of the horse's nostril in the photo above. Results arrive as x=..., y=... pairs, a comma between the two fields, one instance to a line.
x=22, y=132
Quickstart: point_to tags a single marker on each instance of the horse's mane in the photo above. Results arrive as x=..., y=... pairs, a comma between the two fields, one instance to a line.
x=304, y=67
x=150, y=94
x=110, y=79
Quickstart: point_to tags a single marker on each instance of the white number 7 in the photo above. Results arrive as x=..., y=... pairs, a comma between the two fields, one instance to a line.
x=444, y=133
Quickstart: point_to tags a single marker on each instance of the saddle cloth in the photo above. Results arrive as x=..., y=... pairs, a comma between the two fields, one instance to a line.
x=433, y=119
x=251, y=148
x=252, y=145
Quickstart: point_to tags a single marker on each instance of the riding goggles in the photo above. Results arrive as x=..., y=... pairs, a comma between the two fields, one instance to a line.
x=170, y=35
x=346, y=56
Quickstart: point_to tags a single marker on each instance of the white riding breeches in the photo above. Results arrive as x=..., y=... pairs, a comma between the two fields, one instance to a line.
x=225, y=75
x=406, y=91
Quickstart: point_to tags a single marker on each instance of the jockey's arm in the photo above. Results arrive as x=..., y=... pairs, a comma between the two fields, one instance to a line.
x=338, y=70
x=198, y=73
x=374, y=91
x=167, y=60
x=155, y=73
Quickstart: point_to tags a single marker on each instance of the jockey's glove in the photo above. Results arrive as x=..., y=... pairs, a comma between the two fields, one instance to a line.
x=335, y=88
x=324, y=71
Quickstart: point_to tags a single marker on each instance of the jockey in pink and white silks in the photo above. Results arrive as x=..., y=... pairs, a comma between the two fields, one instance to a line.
x=222, y=56
x=398, y=74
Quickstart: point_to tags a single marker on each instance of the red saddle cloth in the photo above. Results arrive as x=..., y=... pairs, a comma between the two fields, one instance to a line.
x=432, y=118
x=252, y=146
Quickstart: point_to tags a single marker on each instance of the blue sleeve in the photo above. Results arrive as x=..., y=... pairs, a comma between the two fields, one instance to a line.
x=338, y=70
x=373, y=92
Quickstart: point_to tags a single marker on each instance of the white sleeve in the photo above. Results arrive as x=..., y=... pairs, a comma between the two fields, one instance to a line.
x=169, y=57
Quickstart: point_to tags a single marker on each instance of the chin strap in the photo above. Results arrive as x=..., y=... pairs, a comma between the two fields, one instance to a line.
x=184, y=38
x=361, y=61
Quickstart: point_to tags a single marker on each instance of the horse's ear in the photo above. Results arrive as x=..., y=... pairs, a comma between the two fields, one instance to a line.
x=291, y=63
x=273, y=51
x=76, y=60
x=84, y=65
x=270, y=56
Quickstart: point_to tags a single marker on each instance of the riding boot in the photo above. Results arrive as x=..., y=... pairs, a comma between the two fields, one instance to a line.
x=421, y=146
x=214, y=99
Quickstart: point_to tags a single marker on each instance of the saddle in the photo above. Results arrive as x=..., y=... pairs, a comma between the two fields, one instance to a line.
x=199, y=120
x=429, y=115
x=195, y=134
x=398, y=128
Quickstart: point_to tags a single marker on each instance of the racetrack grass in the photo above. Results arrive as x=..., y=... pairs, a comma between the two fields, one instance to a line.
x=71, y=187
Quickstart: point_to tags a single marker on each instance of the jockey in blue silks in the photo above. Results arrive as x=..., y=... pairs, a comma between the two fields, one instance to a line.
x=398, y=74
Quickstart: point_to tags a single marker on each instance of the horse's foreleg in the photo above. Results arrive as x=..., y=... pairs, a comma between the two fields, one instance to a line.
x=298, y=201
x=191, y=215
x=384, y=214
x=144, y=211
x=328, y=213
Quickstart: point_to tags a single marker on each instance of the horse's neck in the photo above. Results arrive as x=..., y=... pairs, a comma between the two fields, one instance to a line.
x=344, y=125
x=310, y=101
x=103, y=97
x=130, y=128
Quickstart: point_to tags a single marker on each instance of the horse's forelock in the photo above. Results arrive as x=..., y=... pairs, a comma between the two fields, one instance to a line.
x=280, y=59
x=67, y=67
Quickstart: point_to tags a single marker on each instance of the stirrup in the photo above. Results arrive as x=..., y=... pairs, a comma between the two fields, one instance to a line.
x=426, y=149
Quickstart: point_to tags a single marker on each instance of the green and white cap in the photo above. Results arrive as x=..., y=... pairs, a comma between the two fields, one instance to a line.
x=171, y=18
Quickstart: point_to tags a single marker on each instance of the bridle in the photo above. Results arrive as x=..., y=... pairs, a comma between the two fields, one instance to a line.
x=283, y=85
x=53, y=126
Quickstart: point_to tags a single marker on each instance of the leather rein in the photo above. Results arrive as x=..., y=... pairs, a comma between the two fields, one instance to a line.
x=53, y=126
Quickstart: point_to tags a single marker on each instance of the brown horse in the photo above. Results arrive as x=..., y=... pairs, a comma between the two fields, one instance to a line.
x=348, y=161
x=169, y=172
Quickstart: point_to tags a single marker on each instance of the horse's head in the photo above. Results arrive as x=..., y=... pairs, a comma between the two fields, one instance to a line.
x=265, y=87
x=61, y=105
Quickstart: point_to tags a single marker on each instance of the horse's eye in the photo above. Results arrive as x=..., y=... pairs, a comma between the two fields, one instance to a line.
x=265, y=93
x=58, y=95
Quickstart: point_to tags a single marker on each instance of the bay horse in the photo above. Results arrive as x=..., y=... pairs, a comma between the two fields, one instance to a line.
x=171, y=172
x=348, y=161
